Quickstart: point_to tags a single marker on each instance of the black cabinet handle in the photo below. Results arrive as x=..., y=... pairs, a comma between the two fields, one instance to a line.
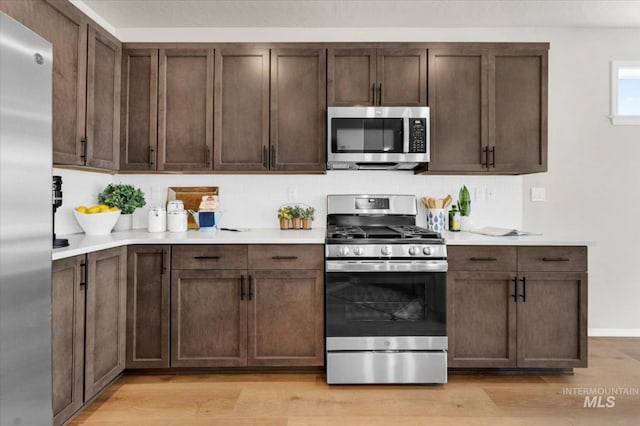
x=284, y=257
x=241, y=287
x=524, y=289
x=151, y=151
x=207, y=157
x=483, y=259
x=380, y=94
x=83, y=156
x=272, y=160
x=373, y=94
x=555, y=259
x=515, y=289
x=493, y=157
x=206, y=257
x=250, y=287
x=163, y=265
x=83, y=273
x=485, y=154
x=264, y=157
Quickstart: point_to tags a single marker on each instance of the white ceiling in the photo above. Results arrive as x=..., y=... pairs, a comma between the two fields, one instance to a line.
x=361, y=13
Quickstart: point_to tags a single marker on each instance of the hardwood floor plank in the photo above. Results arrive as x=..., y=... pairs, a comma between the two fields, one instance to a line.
x=299, y=399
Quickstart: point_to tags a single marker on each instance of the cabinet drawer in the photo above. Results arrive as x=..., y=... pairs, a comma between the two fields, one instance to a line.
x=481, y=258
x=286, y=256
x=542, y=259
x=209, y=257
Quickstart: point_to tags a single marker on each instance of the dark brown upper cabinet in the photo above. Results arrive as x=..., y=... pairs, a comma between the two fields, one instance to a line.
x=458, y=105
x=298, y=110
x=86, y=81
x=103, y=97
x=185, y=109
x=383, y=76
x=139, y=110
x=518, y=111
x=488, y=110
x=241, y=113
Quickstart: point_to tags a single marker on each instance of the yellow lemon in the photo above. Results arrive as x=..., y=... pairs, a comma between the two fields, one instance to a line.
x=114, y=209
x=104, y=208
x=94, y=209
x=81, y=209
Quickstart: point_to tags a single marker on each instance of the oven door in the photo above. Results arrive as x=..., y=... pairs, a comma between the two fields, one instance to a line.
x=372, y=298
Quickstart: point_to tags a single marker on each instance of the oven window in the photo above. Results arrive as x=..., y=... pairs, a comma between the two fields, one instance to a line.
x=385, y=304
x=372, y=135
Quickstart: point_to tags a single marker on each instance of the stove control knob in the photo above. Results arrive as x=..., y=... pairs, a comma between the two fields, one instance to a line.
x=358, y=251
x=344, y=250
x=413, y=251
x=386, y=250
x=427, y=251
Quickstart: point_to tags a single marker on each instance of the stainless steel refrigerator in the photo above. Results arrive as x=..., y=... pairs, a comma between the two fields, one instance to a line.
x=25, y=226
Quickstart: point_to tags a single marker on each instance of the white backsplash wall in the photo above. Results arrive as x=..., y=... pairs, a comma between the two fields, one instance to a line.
x=253, y=200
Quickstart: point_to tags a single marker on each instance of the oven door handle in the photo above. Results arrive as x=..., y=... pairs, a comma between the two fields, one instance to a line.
x=386, y=266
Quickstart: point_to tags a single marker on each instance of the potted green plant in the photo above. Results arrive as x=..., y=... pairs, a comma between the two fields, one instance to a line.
x=464, y=204
x=296, y=215
x=307, y=217
x=284, y=214
x=125, y=197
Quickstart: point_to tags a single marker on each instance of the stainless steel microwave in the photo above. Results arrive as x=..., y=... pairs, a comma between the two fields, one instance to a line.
x=377, y=138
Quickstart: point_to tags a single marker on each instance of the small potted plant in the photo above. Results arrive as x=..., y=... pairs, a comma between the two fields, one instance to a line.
x=464, y=204
x=307, y=217
x=284, y=214
x=296, y=215
x=126, y=198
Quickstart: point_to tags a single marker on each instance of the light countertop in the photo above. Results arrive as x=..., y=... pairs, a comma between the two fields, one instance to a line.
x=81, y=243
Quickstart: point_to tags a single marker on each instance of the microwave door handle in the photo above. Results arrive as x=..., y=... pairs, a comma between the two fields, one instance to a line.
x=405, y=135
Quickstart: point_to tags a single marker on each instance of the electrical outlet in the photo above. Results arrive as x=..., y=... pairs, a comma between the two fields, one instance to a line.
x=479, y=194
x=538, y=194
x=491, y=194
x=292, y=193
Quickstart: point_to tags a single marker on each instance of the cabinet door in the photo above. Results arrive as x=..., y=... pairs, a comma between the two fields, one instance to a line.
x=298, y=109
x=402, y=77
x=103, y=98
x=351, y=77
x=481, y=319
x=148, y=312
x=67, y=326
x=552, y=320
x=139, y=110
x=518, y=111
x=185, y=109
x=105, y=318
x=286, y=325
x=458, y=106
x=208, y=318
x=65, y=27
x=241, y=122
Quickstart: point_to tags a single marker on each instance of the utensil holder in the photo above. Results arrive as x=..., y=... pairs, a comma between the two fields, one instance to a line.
x=436, y=219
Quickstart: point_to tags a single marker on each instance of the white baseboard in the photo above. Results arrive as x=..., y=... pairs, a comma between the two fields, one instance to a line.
x=614, y=332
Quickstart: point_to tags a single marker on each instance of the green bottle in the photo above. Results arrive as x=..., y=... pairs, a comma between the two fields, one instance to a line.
x=454, y=219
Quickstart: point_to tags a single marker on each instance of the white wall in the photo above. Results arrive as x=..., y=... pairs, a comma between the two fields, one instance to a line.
x=593, y=182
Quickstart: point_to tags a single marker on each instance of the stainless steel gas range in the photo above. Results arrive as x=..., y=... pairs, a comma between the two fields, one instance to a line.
x=385, y=304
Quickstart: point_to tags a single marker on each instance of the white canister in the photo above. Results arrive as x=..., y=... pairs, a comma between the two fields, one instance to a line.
x=157, y=219
x=436, y=219
x=177, y=220
x=175, y=205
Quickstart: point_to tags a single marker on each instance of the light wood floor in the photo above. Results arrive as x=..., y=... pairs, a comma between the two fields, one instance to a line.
x=305, y=399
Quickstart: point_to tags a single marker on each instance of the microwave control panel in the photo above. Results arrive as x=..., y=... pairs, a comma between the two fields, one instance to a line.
x=417, y=135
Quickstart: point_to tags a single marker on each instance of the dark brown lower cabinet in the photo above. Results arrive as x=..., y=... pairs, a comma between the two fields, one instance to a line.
x=285, y=318
x=148, y=295
x=105, y=318
x=67, y=323
x=269, y=315
x=509, y=315
x=208, y=318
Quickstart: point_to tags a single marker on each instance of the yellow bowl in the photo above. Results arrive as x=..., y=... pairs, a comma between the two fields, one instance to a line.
x=97, y=223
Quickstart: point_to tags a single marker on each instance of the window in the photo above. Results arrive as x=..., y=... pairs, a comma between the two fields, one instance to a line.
x=625, y=92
